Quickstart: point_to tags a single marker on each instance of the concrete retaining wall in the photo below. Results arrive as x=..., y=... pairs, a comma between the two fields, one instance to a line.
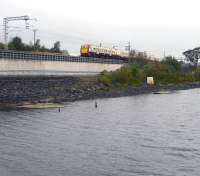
x=37, y=67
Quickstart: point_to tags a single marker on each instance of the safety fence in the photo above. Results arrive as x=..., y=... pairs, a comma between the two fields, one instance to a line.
x=26, y=55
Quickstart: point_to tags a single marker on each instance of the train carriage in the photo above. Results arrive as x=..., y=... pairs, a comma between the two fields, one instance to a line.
x=89, y=50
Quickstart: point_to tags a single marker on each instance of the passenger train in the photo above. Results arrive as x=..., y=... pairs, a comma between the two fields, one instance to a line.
x=89, y=50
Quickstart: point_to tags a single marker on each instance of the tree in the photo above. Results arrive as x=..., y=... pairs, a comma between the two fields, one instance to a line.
x=172, y=63
x=43, y=49
x=56, y=47
x=37, y=45
x=16, y=44
x=1, y=46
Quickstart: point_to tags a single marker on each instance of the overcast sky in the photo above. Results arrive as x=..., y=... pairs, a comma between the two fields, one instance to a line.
x=151, y=25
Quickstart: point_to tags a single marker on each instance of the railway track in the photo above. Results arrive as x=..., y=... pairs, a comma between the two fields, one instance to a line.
x=25, y=55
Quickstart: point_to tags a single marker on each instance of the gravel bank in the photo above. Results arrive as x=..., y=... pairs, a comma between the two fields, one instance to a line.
x=15, y=90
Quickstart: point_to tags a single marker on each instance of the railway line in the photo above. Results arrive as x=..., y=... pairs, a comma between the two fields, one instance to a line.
x=21, y=63
x=25, y=55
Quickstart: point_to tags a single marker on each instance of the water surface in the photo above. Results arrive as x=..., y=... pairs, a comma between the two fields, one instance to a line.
x=141, y=135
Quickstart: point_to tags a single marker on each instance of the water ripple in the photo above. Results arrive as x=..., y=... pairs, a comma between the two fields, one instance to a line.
x=143, y=135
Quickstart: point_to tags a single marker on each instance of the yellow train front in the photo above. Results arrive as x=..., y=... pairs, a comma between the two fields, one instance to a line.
x=89, y=50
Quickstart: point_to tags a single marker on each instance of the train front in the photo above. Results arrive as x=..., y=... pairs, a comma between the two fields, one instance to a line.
x=84, y=51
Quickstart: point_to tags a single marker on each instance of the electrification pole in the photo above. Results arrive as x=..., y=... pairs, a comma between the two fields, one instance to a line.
x=34, y=36
x=5, y=25
x=128, y=47
x=164, y=54
x=5, y=30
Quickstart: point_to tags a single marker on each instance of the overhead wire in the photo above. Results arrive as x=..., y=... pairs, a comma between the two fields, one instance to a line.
x=73, y=38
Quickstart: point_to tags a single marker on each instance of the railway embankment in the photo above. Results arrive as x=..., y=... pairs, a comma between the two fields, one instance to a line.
x=21, y=90
x=129, y=80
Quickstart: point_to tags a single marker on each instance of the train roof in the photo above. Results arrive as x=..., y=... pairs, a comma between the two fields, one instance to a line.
x=105, y=47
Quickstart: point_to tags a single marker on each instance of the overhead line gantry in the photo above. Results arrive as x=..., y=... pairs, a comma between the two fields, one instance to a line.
x=17, y=18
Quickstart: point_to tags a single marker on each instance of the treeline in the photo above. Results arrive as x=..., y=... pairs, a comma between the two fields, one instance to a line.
x=17, y=44
x=167, y=71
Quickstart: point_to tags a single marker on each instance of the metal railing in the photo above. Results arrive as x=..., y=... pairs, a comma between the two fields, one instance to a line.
x=26, y=55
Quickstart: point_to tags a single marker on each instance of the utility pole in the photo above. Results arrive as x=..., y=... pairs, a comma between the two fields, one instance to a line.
x=34, y=36
x=5, y=30
x=164, y=55
x=128, y=47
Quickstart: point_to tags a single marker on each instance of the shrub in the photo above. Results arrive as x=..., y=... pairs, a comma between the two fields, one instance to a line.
x=137, y=74
x=121, y=77
x=168, y=71
x=105, y=79
x=1, y=46
x=197, y=74
x=172, y=63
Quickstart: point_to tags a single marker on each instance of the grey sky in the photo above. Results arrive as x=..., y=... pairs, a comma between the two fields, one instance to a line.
x=151, y=25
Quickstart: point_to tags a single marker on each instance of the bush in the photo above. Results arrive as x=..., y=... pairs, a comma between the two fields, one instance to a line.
x=168, y=71
x=137, y=74
x=122, y=77
x=197, y=74
x=1, y=46
x=135, y=70
x=140, y=61
x=172, y=63
x=105, y=79
x=164, y=73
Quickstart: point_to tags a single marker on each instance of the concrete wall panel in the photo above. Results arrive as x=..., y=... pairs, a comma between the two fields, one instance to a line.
x=37, y=67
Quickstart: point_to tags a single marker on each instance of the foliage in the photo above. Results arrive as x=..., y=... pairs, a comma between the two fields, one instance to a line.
x=197, y=73
x=1, y=46
x=37, y=45
x=168, y=71
x=173, y=64
x=105, y=79
x=137, y=74
x=122, y=77
x=56, y=47
x=17, y=44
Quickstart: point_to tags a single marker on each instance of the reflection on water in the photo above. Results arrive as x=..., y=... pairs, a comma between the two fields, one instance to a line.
x=140, y=135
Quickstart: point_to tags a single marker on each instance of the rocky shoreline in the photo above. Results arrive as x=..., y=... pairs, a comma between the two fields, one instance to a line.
x=19, y=91
x=133, y=91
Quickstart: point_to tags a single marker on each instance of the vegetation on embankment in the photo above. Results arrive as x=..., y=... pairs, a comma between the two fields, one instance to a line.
x=17, y=44
x=19, y=91
x=166, y=72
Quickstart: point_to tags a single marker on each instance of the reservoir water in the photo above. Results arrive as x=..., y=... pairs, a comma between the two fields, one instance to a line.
x=147, y=135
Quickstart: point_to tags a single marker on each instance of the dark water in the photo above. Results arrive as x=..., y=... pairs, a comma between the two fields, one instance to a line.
x=142, y=135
